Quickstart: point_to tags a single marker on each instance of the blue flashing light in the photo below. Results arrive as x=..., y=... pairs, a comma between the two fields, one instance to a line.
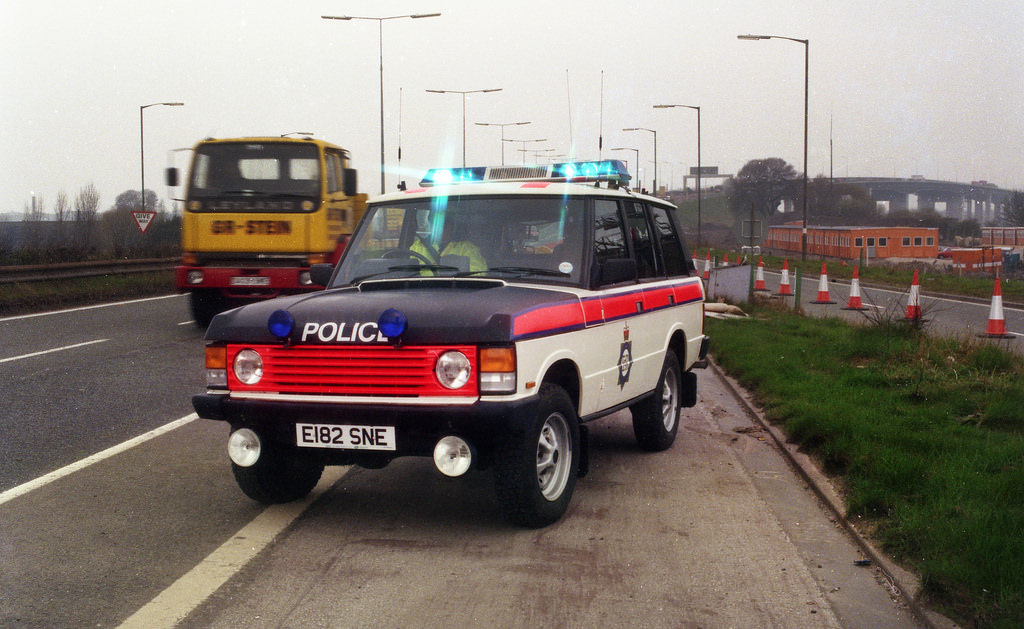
x=442, y=176
x=281, y=323
x=392, y=323
x=604, y=170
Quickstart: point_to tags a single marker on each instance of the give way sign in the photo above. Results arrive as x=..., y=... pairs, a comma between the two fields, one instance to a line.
x=143, y=218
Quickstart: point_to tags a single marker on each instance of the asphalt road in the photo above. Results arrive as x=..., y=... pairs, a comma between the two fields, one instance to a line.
x=716, y=532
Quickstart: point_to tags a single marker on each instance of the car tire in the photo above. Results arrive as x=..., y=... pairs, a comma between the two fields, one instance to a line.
x=656, y=419
x=535, y=473
x=278, y=477
x=205, y=304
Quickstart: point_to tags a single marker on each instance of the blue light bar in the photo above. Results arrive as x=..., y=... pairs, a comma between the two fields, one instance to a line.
x=611, y=170
x=442, y=176
x=604, y=170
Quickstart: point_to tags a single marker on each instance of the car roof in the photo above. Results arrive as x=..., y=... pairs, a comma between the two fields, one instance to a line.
x=517, y=188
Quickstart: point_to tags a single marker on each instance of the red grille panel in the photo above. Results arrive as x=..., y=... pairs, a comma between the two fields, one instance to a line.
x=351, y=370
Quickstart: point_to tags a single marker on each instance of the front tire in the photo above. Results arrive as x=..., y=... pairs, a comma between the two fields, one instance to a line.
x=535, y=473
x=656, y=419
x=278, y=477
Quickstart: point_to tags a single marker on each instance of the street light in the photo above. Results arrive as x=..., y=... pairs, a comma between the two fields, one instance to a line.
x=502, y=125
x=380, y=42
x=807, y=46
x=142, y=145
x=523, y=149
x=464, y=92
x=637, y=152
x=698, y=161
x=655, y=154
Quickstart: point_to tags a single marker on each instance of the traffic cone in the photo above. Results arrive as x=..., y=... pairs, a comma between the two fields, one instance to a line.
x=855, y=302
x=785, y=290
x=707, y=267
x=695, y=261
x=759, y=280
x=823, y=297
x=914, y=300
x=996, y=328
x=725, y=259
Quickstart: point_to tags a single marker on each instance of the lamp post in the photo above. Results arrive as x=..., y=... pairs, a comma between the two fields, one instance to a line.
x=502, y=125
x=464, y=92
x=142, y=146
x=696, y=107
x=380, y=45
x=637, y=152
x=523, y=149
x=655, y=155
x=807, y=46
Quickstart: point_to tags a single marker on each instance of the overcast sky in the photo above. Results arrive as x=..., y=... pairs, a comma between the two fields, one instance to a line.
x=897, y=87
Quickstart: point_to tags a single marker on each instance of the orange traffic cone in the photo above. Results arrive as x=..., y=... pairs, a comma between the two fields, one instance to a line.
x=996, y=328
x=914, y=300
x=823, y=297
x=759, y=280
x=707, y=267
x=785, y=290
x=855, y=302
x=725, y=259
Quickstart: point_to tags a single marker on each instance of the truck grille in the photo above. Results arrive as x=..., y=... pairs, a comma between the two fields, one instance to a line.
x=351, y=370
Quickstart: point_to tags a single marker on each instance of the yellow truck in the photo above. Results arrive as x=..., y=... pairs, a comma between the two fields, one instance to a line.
x=259, y=211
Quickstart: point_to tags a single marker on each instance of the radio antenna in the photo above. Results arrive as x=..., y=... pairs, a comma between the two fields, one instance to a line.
x=600, y=121
x=568, y=95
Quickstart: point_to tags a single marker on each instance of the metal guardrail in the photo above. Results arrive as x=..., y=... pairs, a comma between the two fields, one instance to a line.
x=44, y=272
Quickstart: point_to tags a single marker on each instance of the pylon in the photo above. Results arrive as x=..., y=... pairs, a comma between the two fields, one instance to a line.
x=759, y=280
x=695, y=260
x=823, y=297
x=725, y=259
x=996, y=328
x=855, y=302
x=707, y=267
x=914, y=300
x=785, y=290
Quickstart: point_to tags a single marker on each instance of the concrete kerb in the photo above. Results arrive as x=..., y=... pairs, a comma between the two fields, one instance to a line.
x=902, y=582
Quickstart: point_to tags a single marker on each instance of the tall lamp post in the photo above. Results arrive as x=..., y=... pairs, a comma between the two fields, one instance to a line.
x=380, y=45
x=464, y=92
x=523, y=149
x=655, y=155
x=502, y=125
x=142, y=146
x=807, y=46
x=696, y=107
x=637, y=152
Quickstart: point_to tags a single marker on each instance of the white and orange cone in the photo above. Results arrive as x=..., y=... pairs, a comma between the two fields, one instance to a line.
x=785, y=290
x=725, y=259
x=996, y=328
x=855, y=302
x=695, y=267
x=914, y=300
x=823, y=297
x=707, y=267
x=759, y=280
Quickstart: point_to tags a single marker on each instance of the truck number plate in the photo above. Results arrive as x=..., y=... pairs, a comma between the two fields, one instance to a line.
x=345, y=437
x=250, y=280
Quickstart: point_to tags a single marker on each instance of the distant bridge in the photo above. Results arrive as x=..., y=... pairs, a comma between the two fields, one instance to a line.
x=979, y=201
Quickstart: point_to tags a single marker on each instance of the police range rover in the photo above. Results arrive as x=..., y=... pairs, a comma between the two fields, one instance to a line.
x=481, y=319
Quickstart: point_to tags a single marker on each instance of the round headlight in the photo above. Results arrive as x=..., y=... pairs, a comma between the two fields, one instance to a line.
x=452, y=369
x=194, y=277
x=248, y=366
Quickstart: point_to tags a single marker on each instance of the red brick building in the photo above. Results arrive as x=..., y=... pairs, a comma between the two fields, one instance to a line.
x=849, y=242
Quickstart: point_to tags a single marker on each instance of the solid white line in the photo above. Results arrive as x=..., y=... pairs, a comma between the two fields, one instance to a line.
x=93, y=307
x=50, y=351
x=186, y=594
x=46, y=479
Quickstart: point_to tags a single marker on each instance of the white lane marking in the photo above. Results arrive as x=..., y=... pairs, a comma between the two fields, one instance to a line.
x=189, y=322
x=93, y=307
x=46, y=479
x=50, y=351
x=186, y=594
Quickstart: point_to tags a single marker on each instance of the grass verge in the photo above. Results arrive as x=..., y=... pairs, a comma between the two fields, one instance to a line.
x=926, y=435
x=52, y=295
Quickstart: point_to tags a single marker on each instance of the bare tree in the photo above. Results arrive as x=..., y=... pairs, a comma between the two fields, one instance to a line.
x=61, y=214
x=86, y=205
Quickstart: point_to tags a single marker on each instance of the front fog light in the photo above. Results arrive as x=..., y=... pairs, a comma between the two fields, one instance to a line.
x=244, y=447
x=248, y=366
x=453, y=369
x=194, y=277
x=304, y=278
x=452, y=456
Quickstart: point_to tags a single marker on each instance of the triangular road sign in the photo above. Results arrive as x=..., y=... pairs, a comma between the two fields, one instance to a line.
x=143, y=219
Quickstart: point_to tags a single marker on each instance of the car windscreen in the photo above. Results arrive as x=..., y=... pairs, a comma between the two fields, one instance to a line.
x=254, y=169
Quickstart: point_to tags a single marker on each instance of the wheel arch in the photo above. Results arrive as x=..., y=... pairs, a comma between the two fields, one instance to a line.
x=565, y=374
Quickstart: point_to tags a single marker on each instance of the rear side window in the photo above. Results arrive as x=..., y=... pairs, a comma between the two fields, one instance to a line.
x=609, y=238
x=669, y=243
x=640, y=237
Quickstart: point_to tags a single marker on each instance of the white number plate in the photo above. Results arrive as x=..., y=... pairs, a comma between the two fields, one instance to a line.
x=250, y=280
x=345, y=437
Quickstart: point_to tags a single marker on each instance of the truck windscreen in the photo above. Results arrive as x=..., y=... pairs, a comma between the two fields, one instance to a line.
x=255, y=171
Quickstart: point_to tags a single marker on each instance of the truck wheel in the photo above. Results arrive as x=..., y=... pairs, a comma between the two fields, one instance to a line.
x=535, y=473
x=278, y=477
x=656, y=419
x=205, y=305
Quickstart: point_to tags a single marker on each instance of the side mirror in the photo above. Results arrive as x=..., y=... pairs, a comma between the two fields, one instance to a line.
x=349, y=182
x=320, y=274
x=171, y=176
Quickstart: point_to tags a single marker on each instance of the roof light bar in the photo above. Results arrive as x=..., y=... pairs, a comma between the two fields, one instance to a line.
x=611, y=170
